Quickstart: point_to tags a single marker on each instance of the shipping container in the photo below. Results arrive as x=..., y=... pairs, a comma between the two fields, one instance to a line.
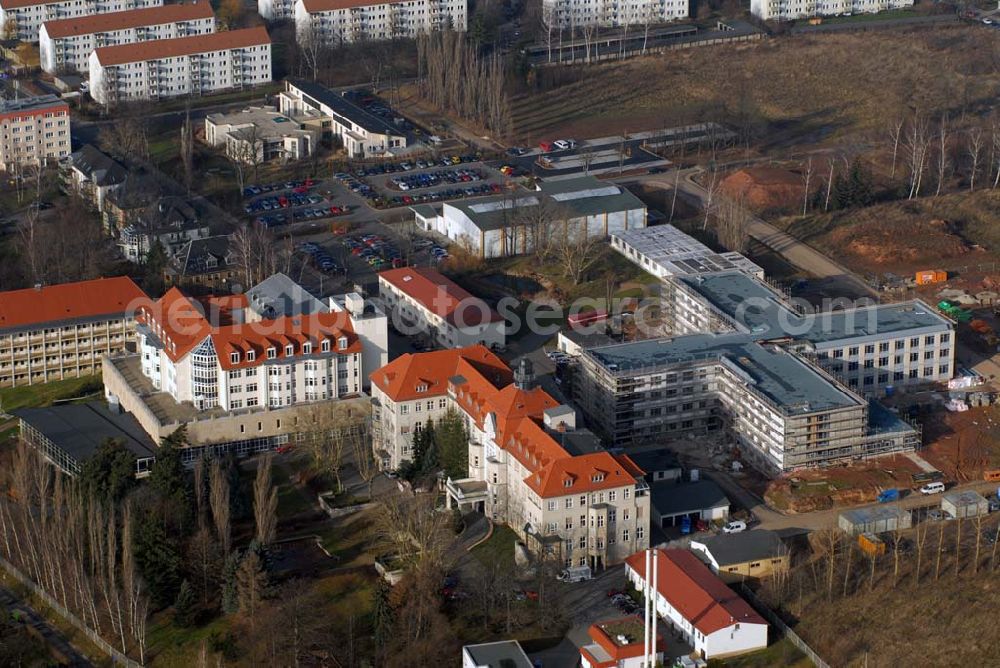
x=888, y=495
x=930, y=276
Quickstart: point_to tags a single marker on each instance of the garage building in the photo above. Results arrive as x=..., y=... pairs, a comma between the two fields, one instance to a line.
x=965, y=504
x=701, y=500
x=878, y=519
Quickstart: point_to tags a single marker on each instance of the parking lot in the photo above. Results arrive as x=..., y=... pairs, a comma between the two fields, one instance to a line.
x=391, y=185
x=278, y=204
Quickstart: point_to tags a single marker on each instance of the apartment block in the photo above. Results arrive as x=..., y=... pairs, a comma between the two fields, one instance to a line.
x=612, y=13
x=35, y=130
x=423, y=301
x=362, y=134
x=194, y=65
x=62, y=331
x=29, y=15
x=787, y=10
x=335, y=22
x=66, y=44
x=529, y=466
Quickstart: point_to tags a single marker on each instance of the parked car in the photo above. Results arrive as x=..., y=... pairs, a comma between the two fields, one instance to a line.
x=575, y=574
x=932, y=488
x=935, y=514
x=736, y=526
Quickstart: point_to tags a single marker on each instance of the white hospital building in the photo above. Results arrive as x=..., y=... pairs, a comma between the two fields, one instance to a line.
x=194, y=65
x=66, y=44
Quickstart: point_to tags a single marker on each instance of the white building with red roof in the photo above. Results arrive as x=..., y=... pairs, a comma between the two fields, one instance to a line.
x=529, y=467
x=617, y=643
x=421, y=300
x=27, y=16
x=713, y=618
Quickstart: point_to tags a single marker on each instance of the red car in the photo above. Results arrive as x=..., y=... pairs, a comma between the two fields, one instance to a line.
x=398, y=262
x=301, y=190
x=546, y=146
x=338, y=210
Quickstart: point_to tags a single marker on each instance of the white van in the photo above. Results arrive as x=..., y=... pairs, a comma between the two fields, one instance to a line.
x=575, y=574
x=932, y=488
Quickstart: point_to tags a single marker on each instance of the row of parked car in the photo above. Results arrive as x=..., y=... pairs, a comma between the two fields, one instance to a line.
x=431, y=179
x=254, y=190
x=406, y=166
x=375, y=250
x=320, y=257
x=286, y=201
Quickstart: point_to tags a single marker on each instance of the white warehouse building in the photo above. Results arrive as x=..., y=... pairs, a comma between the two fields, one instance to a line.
x=337, y=22
x=66, y=44
x=193, y=65
x=505, y=225
x=29, y=15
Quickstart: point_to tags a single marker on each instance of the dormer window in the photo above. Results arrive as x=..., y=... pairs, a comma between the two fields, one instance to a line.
x=422, y=388
x=568, y=482
x=251, y=355
x=289, y=350
x=271, y=353
x=342, y=343
x=307, y=348
x=234, y=358
x=325, y=346
x=597, y=477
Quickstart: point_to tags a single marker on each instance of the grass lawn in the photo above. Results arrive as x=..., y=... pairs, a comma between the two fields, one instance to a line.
x=45, y=394
x=889, y=15
x=500, y=546
x=348, y=539
x=292, y=499
x=171, y=645
x=782, y=653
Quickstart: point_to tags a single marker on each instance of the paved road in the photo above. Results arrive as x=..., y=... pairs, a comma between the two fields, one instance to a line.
x=51, y=635
x=798, y=253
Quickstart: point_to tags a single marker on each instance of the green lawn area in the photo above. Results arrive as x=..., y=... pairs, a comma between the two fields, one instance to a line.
x=171, y=645
x=780, y=654
x=292, y=499
x=348, y=538
x=45, y=394
x=500, y=546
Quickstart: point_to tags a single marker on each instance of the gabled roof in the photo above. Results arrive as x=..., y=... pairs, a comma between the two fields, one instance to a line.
x=178, y=321
x=98, y=166
x=582, y=474
x=201, y=256
x=181, y=46
x=738, y=548
x=695, y=592
x=69, y=302
x=133, y=18
x=441, y=296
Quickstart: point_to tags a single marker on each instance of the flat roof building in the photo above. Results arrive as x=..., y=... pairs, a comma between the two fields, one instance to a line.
x=504, y=225
x=735, y=557
x=35, y=130
x=663, y=250
x=874, y=519
x=500, y=654
x=66, y=44
x=363, y=134
x=260, y=134
x=617, y=643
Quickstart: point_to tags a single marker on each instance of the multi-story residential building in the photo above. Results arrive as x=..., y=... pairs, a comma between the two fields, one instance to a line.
x=868, y=347
x=274, y=354
x=62, y=331
x=422, y=300
x=504, y=225
x=93, y=175
x=260, y=134
x=27, y=16
x=562, y=14
x=206, y=263
x=66, y=44
x=193, y=65
x=529, y=466
x=786, y=10
x=784, y=411
x=336, y=22
x=35, y=130
x=361, y=133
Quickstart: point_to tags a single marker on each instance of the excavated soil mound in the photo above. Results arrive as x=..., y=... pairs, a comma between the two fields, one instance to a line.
x=899, y=244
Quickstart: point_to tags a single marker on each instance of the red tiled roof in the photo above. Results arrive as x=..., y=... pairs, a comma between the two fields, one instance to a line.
x=441, y=295
x=70, y=301
x=133, y=18
x=181, y=46
x=180, y=323
x=581, y=474
x=697, y=593
x=401, y=377
x=313, y=6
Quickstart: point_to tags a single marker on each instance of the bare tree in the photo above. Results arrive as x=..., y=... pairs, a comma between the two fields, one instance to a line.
x=265, y=501
x=312, y=47
x=732, y=221
x=921, y=540
x=219, y=499
x=255, y=254
x=187, y=150
x=199, y=489
x=806, y=177
x=979, y=541
x=335, y=426
x=940, y=550
x=916, y=142
x=942, y=166
x=975, y=149
x=364, y=461
x=895, y=131
x=829, y=184
x=576, y=249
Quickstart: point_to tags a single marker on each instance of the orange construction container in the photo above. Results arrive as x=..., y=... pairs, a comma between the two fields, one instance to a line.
x=991, y=475
x=871, y=544
x=929, y=276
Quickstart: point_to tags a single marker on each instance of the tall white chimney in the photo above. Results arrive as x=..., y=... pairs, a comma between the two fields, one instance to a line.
x=645, y=609
x=652, y=619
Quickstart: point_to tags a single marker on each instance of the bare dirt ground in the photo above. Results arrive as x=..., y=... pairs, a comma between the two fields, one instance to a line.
x=948, y=69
